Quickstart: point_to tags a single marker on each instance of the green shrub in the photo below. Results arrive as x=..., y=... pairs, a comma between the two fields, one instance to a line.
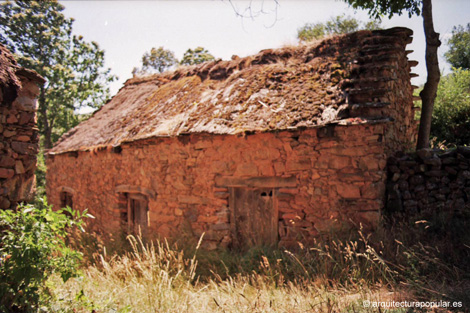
x=32, y=247
x=451, y=116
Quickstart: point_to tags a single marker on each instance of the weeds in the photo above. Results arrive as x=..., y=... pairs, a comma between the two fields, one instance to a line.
x=32, y=247
x=333, y=275
x=157, y=277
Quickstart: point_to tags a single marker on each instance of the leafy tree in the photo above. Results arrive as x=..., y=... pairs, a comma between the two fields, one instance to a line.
x=459, y=47
x=340, y=24
x=156, y=61
x=196, y=56
x=428, y=94
x=311, y=31
x=451, y=116
x=41, y=38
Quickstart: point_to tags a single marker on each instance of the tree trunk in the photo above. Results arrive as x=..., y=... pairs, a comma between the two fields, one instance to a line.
x=428, y=94
x=46, y=129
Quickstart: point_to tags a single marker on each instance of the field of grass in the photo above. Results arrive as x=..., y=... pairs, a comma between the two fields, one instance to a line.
x=416, y=261
x=332, y=276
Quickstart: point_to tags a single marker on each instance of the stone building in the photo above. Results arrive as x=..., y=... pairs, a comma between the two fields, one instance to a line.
x=274, y=148
x=19, y=139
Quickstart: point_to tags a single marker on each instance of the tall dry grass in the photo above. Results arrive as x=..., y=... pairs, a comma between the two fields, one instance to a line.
x=157, y=277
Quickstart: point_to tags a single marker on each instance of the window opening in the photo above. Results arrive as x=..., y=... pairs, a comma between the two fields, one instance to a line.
x=137, y=213
x=66, y=199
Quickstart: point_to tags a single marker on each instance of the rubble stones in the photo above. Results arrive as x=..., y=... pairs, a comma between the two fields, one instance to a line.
x=19, y=142
x=443, y=185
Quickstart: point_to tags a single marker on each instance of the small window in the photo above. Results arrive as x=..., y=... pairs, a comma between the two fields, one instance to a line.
x=66, y=199
x=137, y=213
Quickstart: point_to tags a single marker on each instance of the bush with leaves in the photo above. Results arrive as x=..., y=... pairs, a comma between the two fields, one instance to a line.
x=451, y=116
x=32, y=248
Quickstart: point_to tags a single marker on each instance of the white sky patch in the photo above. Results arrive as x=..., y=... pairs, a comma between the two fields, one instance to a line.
x=128, y=29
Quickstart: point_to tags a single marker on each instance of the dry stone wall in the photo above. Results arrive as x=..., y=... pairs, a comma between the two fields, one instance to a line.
x=429, y=182
x=19, y=141
x=325, y=179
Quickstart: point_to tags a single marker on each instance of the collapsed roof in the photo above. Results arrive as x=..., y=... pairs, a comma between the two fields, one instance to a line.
x=311, y=85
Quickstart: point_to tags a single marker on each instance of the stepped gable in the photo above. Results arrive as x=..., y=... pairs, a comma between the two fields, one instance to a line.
x=342, y=80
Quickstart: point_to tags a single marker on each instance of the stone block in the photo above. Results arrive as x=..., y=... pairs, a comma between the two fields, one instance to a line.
x=6, y=161
x=19, y=168
x=25, y=118
x=6, y=173
x=191, y=199
x=31, y=89
x=220, y=226
x=9, y=133
x=4, y=203
x=339, y=162
x=246, y=169
x=370, y=219
x=298, y=165
x=23, y=138
x=11, y=119
x=425, y=153
x=279, y=167
x=25, y=103
x=210, y=219
x=348, y=191
x=266, y=169
x=24, y=147
x=203, y=144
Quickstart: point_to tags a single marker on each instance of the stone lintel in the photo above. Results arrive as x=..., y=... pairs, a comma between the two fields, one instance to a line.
x=258, y=182
x=67, y=189
x=136, y=189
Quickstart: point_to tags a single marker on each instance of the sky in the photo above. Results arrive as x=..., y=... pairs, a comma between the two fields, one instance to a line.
x=128, y=29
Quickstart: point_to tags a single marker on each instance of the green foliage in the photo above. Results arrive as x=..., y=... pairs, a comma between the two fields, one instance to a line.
x=310, y=31
x=459, y=47
x=156, y=61
x=451, y=116
x=387, y=7
x=340, y=24
x=32, y=247
x=196, y=56
x=41, y=38
x=40, y=176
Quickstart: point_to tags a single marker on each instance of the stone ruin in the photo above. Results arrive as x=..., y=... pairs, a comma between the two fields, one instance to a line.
x=276, y=148
x=19, y=144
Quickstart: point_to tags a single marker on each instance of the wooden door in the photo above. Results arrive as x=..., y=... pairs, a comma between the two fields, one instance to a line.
x=254, y=216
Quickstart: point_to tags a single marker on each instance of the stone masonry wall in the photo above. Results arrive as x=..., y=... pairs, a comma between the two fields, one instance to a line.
x=326, y=179
x=380, y=85
x=429, y=182
x=19, y=141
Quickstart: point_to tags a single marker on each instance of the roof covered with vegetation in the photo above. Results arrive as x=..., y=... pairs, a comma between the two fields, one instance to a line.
x=292, y=87
x=8, y=68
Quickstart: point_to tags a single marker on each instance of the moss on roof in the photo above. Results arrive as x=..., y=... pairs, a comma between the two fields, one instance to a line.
x=276, y=89
x=8, y=67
